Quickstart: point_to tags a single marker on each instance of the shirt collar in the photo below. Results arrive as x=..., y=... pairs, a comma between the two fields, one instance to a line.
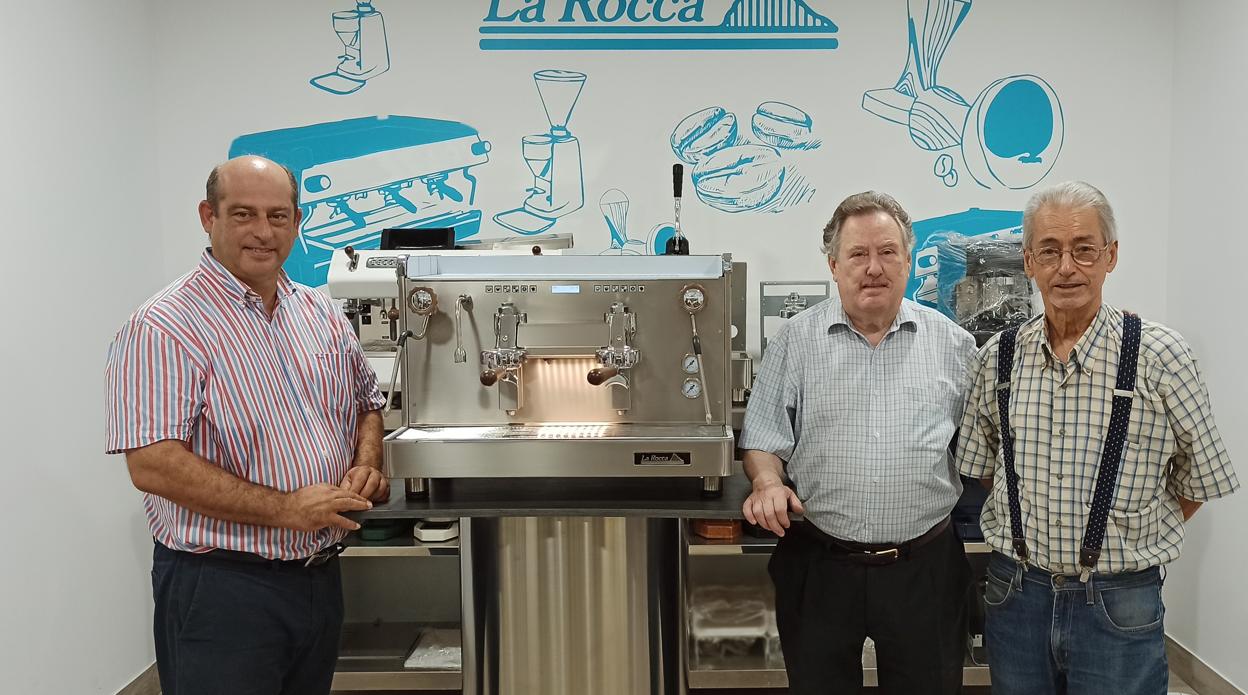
x=1091, y=340
x=906, y=317
x=234, y=288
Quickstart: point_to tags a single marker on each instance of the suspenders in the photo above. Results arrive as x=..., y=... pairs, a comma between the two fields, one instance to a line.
x=1111, y=453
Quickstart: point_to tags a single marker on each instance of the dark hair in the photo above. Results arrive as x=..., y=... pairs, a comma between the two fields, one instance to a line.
x=212, y=189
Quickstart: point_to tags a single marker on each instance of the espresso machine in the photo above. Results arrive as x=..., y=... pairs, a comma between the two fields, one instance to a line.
x=365, y=51
x=553, y=158
x=575, y=366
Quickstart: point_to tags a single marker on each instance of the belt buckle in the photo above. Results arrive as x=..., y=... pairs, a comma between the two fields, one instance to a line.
x=890, y=555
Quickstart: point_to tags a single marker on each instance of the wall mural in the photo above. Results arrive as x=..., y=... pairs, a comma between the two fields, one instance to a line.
x=736, y=173
x=365, y=50
x=655, y=25
x=553, y=158
x=1009, y=137
x=361, y=175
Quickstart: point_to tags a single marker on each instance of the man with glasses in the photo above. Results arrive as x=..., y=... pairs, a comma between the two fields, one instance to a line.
x=857, y=402
x=1093, y=430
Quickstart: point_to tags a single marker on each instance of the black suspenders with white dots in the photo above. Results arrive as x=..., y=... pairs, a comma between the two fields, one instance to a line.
x=1111, y=454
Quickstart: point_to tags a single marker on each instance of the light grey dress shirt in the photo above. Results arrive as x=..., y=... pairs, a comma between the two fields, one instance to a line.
x=864, y=432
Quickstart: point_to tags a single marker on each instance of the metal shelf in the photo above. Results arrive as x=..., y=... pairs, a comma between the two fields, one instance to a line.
x=403, y=546
x=751, y=671
x=372, y=654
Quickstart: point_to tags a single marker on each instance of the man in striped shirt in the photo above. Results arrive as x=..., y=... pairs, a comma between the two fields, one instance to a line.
x=857, y=402
x=250, y=419
x=1109, y=446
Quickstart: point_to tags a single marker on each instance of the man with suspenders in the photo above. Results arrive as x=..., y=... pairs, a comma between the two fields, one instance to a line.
x=1093, y=430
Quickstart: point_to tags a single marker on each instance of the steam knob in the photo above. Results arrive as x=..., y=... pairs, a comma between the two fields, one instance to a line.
x=489, y=377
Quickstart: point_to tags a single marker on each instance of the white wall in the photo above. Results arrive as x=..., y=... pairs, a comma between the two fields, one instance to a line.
x=220, y=77
x=1208, y=605
x=79, y=191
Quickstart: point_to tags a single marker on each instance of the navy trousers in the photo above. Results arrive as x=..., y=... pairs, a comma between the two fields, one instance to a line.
x=228, y=627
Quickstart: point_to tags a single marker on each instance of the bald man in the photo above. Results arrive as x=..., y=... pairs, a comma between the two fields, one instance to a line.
x=250, y=420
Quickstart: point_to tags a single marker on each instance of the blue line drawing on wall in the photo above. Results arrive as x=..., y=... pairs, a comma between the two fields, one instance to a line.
x=943, y=169
x=614, y=206
x=656, y=241
x=585, y=25
x=735, y=173
x=554, y=158
x=365, y=51
x=1010, y=136
x=974, y=222
x=361, y=175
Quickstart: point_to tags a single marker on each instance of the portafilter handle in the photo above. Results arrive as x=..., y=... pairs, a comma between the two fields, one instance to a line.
x=599, y=375
x=489, y=377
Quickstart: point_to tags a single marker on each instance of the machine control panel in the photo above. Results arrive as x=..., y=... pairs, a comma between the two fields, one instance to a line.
x=382, y=262
x=614, y=289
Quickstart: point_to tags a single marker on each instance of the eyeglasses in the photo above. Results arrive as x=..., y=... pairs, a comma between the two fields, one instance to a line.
x=1081, y=254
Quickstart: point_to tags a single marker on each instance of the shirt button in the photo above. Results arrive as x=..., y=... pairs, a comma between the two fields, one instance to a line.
x=1061, y=432
x=1059, y=476
x=875, y=480
x=876, y=435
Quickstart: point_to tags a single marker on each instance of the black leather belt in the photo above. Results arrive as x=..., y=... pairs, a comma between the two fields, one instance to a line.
x=872, y=553
x=315, y=560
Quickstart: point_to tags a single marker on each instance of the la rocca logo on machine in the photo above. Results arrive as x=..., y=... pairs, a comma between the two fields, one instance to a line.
x=655, y=25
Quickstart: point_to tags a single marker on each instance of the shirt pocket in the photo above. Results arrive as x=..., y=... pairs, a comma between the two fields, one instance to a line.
x=333, y=378
x=926, y=411
x=1139, y=479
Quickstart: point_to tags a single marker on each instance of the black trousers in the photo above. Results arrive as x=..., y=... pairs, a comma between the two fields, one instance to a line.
x=915, y=610
x=225, y=627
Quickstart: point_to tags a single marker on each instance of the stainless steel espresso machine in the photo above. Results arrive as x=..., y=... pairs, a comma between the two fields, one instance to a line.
x=573, y=366
x=567, y=367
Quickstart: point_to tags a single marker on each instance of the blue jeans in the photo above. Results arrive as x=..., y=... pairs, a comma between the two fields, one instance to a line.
x=1054, y=634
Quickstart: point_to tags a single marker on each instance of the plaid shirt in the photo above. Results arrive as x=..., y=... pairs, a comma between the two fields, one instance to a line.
x=1060, y=414
x=272, y=400
x=864, y=431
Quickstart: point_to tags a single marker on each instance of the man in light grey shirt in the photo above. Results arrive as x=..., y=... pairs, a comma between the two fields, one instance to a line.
x=856, y=403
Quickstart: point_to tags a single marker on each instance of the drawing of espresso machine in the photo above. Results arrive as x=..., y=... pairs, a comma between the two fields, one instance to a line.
x=553, y=158
x=564, y=366
x=365, y=51
x=359, y=176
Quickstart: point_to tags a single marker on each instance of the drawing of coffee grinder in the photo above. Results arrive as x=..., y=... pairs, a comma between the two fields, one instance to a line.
x=554, y=158
x=365, y=52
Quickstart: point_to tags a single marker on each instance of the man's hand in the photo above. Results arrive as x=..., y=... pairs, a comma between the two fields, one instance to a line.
x=315, y=507
x=769, y=506
x=367, y=482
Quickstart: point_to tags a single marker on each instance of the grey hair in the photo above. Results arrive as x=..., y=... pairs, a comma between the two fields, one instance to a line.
x=860, y=204
x=1070, y=195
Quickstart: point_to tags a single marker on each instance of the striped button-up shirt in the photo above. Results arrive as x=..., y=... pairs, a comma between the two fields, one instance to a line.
x=274, y=401
x=864, y=432
x=1059, y=412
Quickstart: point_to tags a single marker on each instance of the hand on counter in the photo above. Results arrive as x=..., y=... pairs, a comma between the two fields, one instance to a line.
x=367, y=482
x=769, y=506
x=318, y=506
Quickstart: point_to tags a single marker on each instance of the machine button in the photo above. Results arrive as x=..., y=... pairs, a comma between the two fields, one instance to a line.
x=488, y=289
x=532, y=288
x=642, y=288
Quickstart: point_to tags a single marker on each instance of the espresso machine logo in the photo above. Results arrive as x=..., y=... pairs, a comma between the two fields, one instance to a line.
x=662, y=458
x=654, y=25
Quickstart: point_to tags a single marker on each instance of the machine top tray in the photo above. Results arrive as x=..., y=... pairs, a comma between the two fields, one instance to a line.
x=571, y=431
x=569, y=267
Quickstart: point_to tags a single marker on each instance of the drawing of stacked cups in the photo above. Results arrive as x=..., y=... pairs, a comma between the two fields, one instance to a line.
x=737, y=173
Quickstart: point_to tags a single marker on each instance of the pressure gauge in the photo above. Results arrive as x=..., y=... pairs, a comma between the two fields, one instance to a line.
x=692, y=388
x=693, y=298
x=689, y=364
x=422, y=301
